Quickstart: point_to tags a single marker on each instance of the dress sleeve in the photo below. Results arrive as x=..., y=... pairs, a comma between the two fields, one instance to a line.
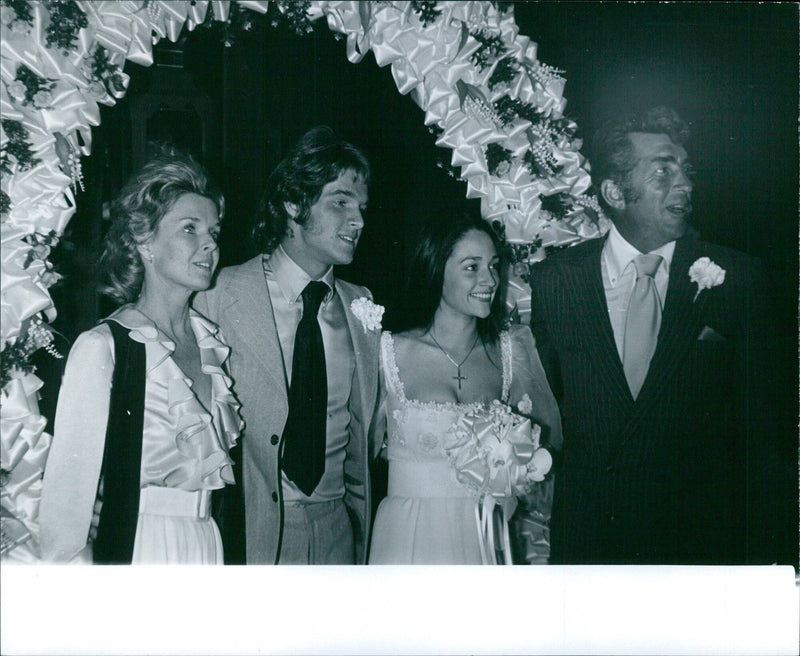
x=378, y=434
x=528, y=377
x=378, y=428
x=73, y=465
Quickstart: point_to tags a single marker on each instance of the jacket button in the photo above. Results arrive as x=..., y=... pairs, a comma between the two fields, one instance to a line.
x=275, y=497
x=610, y=469
x=274, y=440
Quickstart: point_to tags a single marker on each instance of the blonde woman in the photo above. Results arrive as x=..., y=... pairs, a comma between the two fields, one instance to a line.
x=140, y=444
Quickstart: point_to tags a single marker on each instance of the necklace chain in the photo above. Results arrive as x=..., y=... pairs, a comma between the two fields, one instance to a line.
x=458, y=366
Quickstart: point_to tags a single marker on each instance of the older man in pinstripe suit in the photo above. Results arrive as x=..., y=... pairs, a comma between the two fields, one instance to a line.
x=658, y=347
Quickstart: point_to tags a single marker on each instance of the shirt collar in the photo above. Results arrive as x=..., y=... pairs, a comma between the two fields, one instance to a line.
x=619, y=253
x=292, y=278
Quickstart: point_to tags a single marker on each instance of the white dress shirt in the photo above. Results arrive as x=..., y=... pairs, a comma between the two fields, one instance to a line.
x=286, y=281
x=619, y=277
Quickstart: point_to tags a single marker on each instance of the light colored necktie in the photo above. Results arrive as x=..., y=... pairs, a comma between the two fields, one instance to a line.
x=642, y=322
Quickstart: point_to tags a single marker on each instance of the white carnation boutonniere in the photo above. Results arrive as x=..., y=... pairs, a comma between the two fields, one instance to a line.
x=706, y=274
x=369, y=313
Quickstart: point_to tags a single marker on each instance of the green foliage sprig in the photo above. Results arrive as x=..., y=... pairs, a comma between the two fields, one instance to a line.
x=426, y=10
x=31, y=88
x=498, y=159
x=106, y=71
x=17, y=148
x=557, y=205
x=66, y=20
x=490, y=49
x=508, y=109
x=541, y=162
x=505, y=72
x=16, y=358
x=22, y=9
x=291, y=15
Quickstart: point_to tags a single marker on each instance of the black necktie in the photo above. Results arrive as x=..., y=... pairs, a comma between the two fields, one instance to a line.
x=305, y=433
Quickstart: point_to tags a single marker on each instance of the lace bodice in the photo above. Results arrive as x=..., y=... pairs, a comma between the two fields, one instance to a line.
x=415, y=427
x=432, y=508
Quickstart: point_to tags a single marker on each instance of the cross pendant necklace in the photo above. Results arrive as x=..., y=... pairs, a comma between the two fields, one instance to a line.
x=458, y=366
x=459, y=377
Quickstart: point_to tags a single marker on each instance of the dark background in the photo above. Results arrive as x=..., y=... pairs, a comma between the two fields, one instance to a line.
x=731, y=70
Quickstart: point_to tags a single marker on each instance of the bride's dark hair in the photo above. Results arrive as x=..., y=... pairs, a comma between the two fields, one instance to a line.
x=425, y=277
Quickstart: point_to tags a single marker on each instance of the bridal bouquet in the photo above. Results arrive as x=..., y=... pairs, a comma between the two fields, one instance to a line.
x=495, y=453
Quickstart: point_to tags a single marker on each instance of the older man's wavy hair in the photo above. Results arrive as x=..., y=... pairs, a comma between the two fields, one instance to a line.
x=613, y=156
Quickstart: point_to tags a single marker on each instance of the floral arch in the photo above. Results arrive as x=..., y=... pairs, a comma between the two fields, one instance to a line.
x=484, y=94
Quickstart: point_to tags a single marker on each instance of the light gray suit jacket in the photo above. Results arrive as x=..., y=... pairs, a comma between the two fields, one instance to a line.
x=240, y=304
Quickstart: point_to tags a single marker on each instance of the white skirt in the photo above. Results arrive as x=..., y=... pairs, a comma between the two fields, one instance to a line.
x=175, y=527
x=427, y=518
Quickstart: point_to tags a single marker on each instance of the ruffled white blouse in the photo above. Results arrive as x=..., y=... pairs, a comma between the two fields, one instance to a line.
x=184, y=444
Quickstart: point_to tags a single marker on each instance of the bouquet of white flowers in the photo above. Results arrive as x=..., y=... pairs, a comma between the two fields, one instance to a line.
x=495, y=453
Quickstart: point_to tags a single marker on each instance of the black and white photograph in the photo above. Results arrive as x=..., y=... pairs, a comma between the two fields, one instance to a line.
x=404, y=289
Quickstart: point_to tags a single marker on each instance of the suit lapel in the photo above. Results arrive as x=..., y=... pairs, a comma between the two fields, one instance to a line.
x=366, y=356
x=679, y=324
x=250, y=310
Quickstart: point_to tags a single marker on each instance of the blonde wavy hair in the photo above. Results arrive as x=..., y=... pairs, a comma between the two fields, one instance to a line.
x=136, y=212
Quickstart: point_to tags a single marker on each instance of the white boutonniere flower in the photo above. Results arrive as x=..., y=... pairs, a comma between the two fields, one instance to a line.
x=369, y=313
x=706, y=274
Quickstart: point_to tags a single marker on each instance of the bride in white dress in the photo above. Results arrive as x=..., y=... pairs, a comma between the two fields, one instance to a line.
x=452, y=359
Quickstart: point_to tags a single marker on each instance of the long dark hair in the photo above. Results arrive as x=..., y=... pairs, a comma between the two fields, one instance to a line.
x=425, y=278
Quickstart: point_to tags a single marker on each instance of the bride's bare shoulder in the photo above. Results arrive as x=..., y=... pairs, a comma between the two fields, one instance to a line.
x=413, y=334
x=410, y=341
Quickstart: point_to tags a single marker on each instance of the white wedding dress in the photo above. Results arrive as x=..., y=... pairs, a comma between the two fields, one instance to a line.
x=428, y=517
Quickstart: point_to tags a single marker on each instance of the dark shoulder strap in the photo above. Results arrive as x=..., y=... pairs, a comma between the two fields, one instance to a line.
x=122, y=458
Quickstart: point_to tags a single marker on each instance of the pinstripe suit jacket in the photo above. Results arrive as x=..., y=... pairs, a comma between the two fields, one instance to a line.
x=239, y=302
x=663, y=478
